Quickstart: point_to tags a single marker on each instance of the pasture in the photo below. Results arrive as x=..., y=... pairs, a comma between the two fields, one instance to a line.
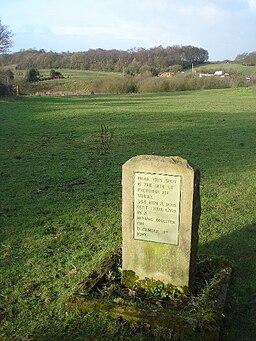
x=232, y=68
x=61, y=198
x=74, y=81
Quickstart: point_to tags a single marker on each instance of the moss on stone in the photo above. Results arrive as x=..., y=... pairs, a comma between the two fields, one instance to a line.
x=189, y=317
x=149, y=287
x=129, y=279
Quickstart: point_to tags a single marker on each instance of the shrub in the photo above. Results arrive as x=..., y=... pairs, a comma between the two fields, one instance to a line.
x=6, y=83
x=175, y=68
x=3, y=89
x=181, y=82
x=115, y=85
x=215, y=83
x=153, y=84
x=25, y=87
x=32, y=75
x=55, y=74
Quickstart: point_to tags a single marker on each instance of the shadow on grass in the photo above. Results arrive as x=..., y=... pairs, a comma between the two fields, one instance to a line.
x=53, y=166
x=240, y=312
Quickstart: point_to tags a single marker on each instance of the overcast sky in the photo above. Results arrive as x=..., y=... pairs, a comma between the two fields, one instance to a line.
x=225, y=28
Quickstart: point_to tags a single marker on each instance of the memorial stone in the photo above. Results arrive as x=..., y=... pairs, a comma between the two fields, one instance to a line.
x=160, y=218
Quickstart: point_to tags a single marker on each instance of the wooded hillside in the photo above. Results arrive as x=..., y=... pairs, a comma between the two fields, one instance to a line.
x=136, y=60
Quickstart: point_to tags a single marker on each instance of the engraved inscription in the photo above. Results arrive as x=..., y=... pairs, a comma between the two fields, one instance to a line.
x=156, y=207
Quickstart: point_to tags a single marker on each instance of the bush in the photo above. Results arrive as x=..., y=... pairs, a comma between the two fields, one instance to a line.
x=25, y=87
x=175, y=68
x=215, y=83
x=3, y=89
x=32, y=75
x=153, y=84
x=6, y=83
x=181, y=82
x=116, y=85
x=55, y=74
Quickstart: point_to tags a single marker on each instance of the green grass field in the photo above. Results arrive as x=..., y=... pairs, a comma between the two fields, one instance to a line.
x=61, y=198
x=81, y=82
x=228, y=67
x=74, y=81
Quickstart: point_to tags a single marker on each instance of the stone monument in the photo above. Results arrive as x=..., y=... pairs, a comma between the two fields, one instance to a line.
x=160, y=218
x=161, y=211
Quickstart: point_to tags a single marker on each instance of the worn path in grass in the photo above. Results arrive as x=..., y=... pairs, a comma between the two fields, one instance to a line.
x=61, y=198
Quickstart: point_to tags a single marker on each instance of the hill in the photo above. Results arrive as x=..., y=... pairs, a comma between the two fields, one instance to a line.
x=228, y=67
x=134, y=61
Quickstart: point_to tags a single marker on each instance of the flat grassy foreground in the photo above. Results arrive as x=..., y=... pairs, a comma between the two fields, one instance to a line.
x=61, y=198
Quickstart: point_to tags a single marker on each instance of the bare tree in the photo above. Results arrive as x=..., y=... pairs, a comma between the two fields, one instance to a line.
x=5, y=38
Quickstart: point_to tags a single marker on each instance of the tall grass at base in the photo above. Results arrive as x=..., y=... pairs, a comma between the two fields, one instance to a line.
x=140, y=84
x=112, y=85
x=181, y=82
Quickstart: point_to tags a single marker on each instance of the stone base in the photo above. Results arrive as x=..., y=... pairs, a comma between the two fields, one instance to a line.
x=194, y=316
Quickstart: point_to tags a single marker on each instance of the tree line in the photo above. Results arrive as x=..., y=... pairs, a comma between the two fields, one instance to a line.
x=247, y=58
x=133, y=61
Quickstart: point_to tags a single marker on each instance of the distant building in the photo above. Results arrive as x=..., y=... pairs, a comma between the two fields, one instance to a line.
x=218, y=73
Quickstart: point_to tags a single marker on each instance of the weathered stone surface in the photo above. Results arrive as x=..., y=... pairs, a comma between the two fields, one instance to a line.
x=197, y=318
x=160, y=217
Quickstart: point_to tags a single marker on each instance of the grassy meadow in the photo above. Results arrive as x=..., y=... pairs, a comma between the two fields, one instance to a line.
x=81, y=82
x=61, y=199
x=74, y=81
x=228, y=67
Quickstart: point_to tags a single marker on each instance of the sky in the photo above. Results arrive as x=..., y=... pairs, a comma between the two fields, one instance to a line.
x=225, y=28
